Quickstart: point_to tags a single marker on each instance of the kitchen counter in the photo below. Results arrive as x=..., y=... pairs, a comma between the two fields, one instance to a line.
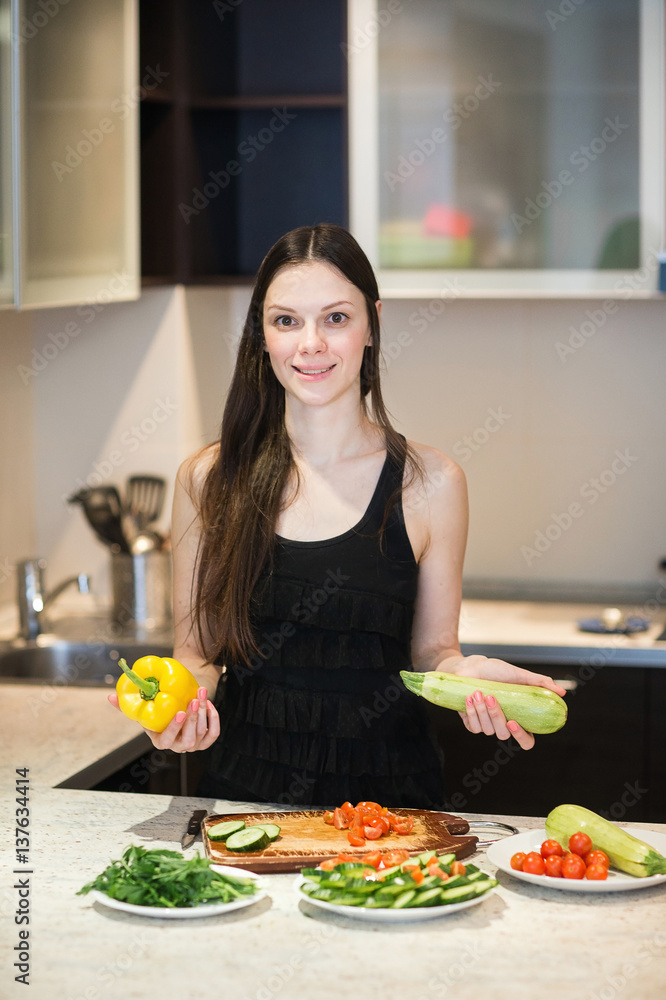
x=546, y=632
x=521, y=943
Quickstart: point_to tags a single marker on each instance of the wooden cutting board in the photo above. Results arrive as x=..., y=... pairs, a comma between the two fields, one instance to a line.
x=305, y=839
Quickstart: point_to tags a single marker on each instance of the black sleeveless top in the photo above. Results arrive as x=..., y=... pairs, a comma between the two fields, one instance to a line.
x=322, y=715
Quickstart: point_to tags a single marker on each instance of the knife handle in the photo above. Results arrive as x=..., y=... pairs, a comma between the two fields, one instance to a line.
x=195, y=821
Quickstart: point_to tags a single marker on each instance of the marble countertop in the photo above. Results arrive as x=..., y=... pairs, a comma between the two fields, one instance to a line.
x=523, y=942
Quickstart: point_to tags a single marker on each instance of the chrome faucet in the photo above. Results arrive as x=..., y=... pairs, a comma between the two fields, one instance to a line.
x=31, y=596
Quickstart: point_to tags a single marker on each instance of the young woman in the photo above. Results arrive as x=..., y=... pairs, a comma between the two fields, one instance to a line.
x=317, y=554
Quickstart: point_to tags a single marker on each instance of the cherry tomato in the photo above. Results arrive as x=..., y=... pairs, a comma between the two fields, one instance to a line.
x=328, y=818
x=553, y=865
x=580, y=843
x=534, y=864
x=340, y=821
x=517, y=861
x=327, y=866
x=369, y=806
x=596, y=858
x=573, y=866
x=347, y=808
x=550, y=847
x=597, y=873
x=355, y=839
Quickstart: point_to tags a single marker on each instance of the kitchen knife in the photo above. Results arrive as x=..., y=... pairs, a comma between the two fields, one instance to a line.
x=193, y=828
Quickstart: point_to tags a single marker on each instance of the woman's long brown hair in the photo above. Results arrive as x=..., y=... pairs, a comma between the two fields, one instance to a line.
x=244, y=491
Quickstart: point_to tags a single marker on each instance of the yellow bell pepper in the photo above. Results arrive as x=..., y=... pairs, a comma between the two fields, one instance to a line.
x=154, y=690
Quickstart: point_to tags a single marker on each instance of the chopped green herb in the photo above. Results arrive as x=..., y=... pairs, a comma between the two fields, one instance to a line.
x=165, y=878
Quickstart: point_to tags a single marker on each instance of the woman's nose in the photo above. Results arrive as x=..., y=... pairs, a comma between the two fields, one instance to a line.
x=311, y=339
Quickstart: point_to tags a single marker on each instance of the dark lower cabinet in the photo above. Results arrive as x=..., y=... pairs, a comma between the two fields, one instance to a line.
x=610, y=756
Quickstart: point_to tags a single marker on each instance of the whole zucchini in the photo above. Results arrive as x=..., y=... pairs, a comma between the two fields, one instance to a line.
x=626, y=853
x=536, y=709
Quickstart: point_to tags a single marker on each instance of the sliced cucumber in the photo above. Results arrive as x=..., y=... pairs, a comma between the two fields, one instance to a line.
x=428, y=898
x=220, y=831
x=404, y=899
x=272, y=829
x=252, y=838
x=422, y=859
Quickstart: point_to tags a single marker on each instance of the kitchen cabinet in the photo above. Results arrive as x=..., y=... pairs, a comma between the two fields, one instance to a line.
x=501, y=148
x=69, y=161
x=610, y=756
x=244, y=138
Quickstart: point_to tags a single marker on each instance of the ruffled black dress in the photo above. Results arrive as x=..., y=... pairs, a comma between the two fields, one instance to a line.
x=322, y=716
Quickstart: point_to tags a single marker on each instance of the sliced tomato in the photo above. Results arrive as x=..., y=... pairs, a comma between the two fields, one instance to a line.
x=328, y=866
x=340, y=821
x=372, y=806
x=355, y=839
x=458, y=868
x=417, y=875
x=384, y=823
x=403, y=825
x=438, y=872
x=374, y=858
x=346, y=858
x=347, y=808
x=396, y=857
x=328, y=818
x=372, y=832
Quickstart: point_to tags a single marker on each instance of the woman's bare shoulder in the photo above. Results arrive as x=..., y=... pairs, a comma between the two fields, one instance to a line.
x=193, y=471
x=440, y=473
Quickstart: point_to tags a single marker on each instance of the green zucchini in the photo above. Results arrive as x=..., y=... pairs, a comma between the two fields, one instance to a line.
x=252, y=838
x=220, y=831
x=536, y=709
x=626, y=853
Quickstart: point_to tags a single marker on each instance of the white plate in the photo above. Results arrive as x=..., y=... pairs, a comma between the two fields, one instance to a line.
x=188, y=912
x=501, y=852
x=387, y=915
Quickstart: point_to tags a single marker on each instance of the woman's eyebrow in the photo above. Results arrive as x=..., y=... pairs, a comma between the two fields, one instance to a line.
x=333, y=305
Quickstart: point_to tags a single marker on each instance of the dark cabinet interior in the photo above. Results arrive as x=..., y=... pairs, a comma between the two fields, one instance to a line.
x=610, y=756
x=245, y=136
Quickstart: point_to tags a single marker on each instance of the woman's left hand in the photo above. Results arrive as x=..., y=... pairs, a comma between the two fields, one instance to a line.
x=483, y=715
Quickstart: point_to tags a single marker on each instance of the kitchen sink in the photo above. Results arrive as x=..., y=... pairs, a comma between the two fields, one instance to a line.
x=65, y=662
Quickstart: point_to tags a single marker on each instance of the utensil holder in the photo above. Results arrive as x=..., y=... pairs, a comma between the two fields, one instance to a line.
x=141, y=587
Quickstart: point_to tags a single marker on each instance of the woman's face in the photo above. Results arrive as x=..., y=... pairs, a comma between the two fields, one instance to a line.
x=316, y=329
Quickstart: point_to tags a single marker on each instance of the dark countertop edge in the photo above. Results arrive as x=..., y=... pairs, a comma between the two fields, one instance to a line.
x=595, y=656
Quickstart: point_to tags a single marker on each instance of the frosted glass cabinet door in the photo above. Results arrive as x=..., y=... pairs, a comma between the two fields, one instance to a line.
x=77, y=185
x=511, y=143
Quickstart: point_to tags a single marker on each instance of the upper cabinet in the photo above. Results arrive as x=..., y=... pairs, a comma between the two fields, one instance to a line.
x=508, y=147
x=244, y=137
x=70, y=171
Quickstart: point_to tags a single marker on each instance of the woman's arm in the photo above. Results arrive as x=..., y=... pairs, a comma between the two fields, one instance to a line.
x=199, y=726
x=436, y=516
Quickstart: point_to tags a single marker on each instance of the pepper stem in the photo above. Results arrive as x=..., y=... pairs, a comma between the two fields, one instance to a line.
x=148, y=686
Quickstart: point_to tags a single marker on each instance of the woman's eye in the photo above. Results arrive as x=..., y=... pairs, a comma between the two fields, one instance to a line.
x=284, y=321
x=337, y=318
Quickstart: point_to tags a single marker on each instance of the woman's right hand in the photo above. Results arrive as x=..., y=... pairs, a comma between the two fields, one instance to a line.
x=195, y=729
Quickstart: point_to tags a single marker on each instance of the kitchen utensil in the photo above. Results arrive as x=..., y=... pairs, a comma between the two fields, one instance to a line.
x=146, y=541
x=141, y=589
x=306, y=840
x=144, y=500
x=193, y=828
x=103, y=511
